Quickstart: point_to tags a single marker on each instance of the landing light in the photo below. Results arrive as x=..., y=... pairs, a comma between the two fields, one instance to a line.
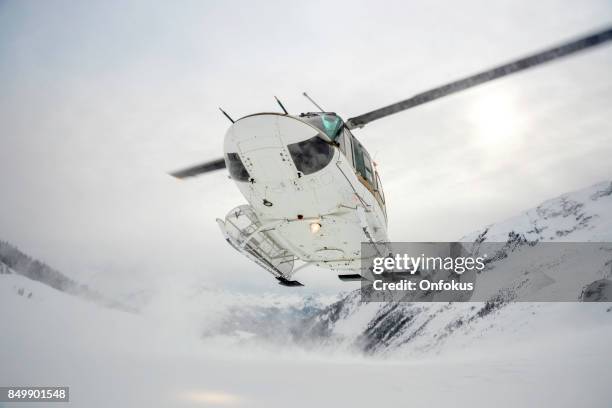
x=315, y=227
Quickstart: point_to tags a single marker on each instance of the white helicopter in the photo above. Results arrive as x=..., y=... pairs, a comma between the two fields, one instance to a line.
x=313, y=192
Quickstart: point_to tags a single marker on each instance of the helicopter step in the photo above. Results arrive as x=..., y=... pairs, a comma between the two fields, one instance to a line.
x=243, y=231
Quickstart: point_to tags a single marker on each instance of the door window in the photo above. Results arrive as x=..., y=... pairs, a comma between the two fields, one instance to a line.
x=363, y=164
x=236, y=169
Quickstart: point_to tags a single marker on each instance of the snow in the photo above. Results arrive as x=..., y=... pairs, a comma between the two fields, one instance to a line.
x=579, y=216
x=115, y=358
x=560, y=358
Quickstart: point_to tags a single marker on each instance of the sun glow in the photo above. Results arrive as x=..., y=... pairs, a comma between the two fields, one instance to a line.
x=497, y=122
x=214, y=398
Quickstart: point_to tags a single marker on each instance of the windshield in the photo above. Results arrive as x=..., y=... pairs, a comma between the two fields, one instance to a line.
x=329, y=123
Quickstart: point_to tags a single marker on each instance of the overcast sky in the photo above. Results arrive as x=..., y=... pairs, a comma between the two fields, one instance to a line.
x=99, y=99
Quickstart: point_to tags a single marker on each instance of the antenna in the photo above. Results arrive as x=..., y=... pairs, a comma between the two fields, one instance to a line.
x=313, y=102
x=226, y=115
x=281, y=105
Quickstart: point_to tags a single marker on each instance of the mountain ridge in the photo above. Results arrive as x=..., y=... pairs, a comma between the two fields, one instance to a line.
x=580, y=216
x=371, y=328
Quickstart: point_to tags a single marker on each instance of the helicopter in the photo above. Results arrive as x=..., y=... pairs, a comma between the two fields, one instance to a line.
x=314, y=193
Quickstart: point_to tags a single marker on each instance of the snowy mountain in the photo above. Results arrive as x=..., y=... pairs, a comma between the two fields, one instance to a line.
x=190, y=345
x=581, y=216
x=14, y=261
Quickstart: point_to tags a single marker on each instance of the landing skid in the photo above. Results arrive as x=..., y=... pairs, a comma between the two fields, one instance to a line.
x=355, y=277
x=286, y=282
x=351, y=277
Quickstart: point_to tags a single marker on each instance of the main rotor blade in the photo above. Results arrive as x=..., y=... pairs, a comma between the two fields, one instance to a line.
x=485, y=76
x=199, y=169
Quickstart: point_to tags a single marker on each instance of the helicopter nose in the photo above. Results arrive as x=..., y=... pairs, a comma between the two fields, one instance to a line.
x=262, y=140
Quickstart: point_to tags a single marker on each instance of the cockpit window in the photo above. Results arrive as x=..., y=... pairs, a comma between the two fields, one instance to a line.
x=332, y=125
x=236, y=168
x=311, y=155
x=329, y=123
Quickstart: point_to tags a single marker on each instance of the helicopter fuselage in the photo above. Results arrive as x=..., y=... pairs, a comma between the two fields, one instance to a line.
x=314, y=194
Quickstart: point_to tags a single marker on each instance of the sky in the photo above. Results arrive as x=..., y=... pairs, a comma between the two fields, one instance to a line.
x=100, y=99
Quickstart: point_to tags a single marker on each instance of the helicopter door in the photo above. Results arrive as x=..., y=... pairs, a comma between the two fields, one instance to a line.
x=344, y=144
